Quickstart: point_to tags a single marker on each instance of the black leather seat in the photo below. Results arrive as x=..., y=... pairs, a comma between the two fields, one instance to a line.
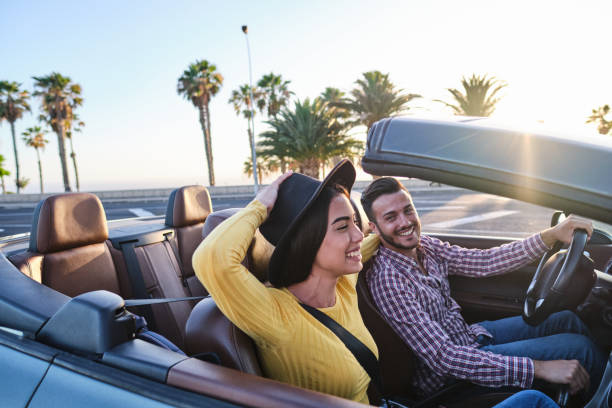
x=395, y=357
x=397, y=361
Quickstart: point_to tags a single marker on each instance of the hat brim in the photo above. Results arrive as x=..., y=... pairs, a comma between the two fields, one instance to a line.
x=343, y=174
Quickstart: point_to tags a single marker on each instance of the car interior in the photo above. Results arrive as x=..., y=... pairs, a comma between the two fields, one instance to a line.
x=65, y=286
x=64, y=290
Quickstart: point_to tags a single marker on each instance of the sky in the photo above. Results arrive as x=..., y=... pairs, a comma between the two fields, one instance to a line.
x=127, y=56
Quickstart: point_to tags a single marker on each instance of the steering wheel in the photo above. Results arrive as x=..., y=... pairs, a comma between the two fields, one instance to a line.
x=550, y=286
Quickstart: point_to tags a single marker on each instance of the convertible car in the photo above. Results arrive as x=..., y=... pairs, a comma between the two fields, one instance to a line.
x=74, y=290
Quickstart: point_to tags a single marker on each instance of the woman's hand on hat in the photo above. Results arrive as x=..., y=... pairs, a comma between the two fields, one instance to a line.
x=267, y=196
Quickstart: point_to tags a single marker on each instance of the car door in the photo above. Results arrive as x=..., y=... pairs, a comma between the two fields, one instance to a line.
x=36, y=375
x=503, y=295
x=493, y=297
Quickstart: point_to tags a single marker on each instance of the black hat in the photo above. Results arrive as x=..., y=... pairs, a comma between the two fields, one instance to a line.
x=295, y=196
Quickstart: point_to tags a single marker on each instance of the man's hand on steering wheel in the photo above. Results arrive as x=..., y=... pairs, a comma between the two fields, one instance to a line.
x=564, y=230
x=555, y=278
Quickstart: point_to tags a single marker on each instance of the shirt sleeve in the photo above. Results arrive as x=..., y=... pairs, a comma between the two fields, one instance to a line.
x=395, y=297
x=492, y=261
x=236, y=291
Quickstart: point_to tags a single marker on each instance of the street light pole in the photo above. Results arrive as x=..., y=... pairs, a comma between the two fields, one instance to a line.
x=245, y=30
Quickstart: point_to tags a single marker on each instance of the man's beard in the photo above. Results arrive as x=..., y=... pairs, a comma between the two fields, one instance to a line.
x=393, y=243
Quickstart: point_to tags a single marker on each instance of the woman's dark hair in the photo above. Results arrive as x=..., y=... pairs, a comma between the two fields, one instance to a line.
x=358, y=220
x=307, y=238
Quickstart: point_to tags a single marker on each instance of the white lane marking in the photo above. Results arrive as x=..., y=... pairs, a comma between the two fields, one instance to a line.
x=140, y=212
x=489, y=233
x=417, y=202
x=463, y=201
x=468, y=220
x=443, y=208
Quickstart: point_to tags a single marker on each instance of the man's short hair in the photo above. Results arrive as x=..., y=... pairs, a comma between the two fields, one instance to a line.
x=381, y=186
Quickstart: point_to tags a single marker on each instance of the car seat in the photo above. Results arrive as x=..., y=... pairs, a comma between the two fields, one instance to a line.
x=188, y=208
x=208, y=330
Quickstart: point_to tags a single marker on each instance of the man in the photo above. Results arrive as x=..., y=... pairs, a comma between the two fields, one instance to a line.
x=409, y=283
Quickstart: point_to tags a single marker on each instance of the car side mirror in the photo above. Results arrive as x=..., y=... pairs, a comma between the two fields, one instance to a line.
x=557, y=217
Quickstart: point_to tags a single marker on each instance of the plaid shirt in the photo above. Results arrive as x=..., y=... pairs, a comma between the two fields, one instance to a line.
x=420, y=309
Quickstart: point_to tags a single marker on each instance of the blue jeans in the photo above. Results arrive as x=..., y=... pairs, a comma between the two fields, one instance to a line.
x=562, y=336
x=527, y=399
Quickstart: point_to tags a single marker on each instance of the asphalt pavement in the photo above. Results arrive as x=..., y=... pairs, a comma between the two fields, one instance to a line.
x=441, y=210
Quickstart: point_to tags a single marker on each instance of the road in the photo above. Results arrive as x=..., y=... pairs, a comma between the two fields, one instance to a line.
x=441, y=210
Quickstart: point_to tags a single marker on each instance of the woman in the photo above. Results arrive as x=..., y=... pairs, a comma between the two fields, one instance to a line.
x=319, y=250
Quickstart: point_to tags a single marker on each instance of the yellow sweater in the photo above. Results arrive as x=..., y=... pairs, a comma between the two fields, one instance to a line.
x=294, y=347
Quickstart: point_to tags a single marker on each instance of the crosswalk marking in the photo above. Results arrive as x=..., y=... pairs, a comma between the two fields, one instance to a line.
x=467, y=220
x=140, y=212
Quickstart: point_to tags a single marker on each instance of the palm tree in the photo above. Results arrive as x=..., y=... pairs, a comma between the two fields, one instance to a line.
x=479, y=97
x=241, y=100
x=599, y=116
x=375, y=98
x=310, y=135
x=77, y=128
x=22, y=182
x=265, y=166
x=13, y=102
x=60, y=97
x=3, y=172
x=334, y=98
x=199, y=83
x=35, y=137
x=274, y=94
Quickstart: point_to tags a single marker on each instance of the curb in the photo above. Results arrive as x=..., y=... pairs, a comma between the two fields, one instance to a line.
x=216, y=192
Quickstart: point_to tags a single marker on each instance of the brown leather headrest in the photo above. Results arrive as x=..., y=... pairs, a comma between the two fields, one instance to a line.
x=208, y=330
x=187, y=206
x=67, y=221
x=260, y=251
x=215, y=218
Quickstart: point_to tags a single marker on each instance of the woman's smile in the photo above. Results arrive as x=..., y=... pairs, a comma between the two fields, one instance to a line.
x=340, y=251
x=354, y=255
